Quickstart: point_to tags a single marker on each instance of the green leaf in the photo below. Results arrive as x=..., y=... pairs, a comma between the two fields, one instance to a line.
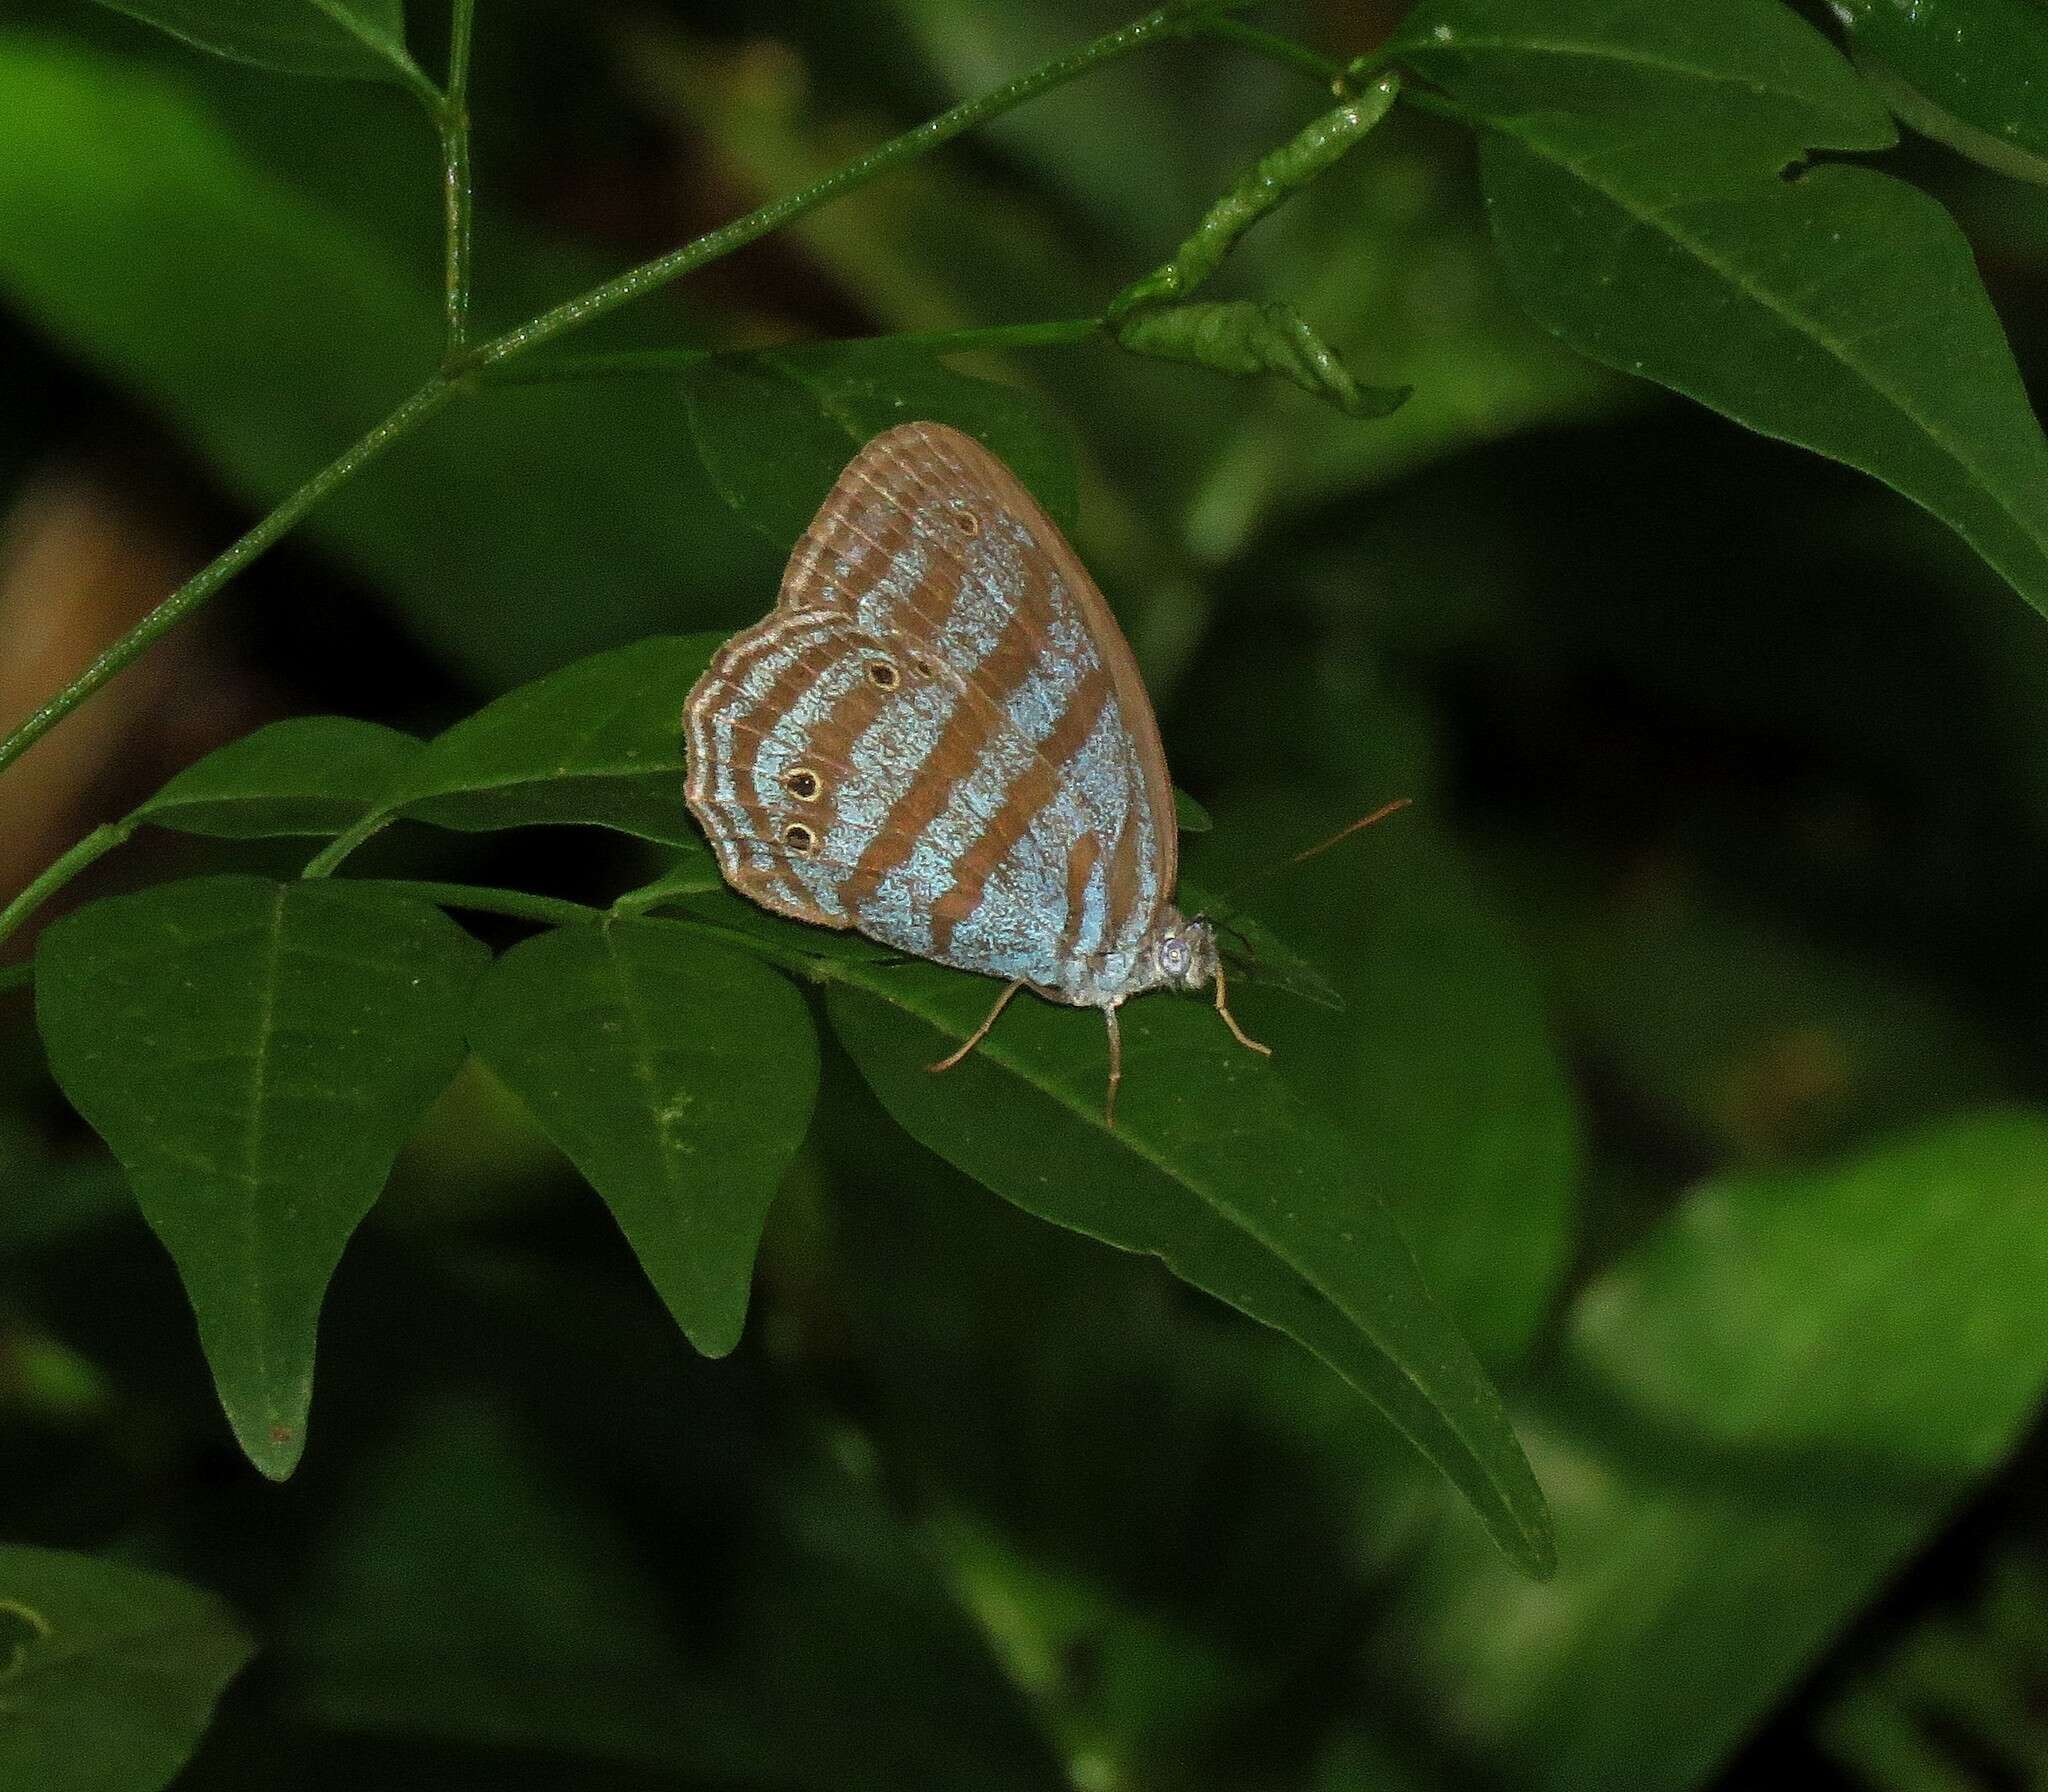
x=362, y=38
x=255, y=1054
x=677, y=1076
x=1238, y=337
x=1966, y=72
x=1755, y=1418
x=600, y=743
x=1213, y=1167
x=1274, y=179
x=1192, y=817
x=311, y=775
x=1635, y=180
x=108, y=1674
x=1241, y=337
x=1443, y=1066
x=775, y=428
x=1742, y=65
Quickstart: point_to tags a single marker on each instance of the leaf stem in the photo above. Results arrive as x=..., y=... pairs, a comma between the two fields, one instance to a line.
x=628, y=363
x=451, y=119
x=102, y=840
x=521, y=905
x=1181, y=18
x=210, y=578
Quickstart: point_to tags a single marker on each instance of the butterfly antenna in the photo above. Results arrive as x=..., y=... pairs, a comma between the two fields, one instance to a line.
x=1230, y=897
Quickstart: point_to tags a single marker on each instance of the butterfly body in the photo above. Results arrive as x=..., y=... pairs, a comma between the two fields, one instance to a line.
x=939, y=737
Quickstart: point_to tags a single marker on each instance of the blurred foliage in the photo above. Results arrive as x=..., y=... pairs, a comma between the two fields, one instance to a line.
x=1691, y=1050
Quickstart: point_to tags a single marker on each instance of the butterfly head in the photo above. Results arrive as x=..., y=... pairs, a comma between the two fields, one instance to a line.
x=1184, y=953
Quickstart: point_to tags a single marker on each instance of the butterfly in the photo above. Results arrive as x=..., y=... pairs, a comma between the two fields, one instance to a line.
x=938, y=737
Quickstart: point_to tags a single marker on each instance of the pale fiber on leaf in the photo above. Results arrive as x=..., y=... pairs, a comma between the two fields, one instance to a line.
x=255, y=1054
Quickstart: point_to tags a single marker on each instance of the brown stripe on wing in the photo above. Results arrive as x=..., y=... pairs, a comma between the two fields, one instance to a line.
x=953, y=757
x=716, y=695
x=1036, y=786
x=1126, y=884
x=1083, y=854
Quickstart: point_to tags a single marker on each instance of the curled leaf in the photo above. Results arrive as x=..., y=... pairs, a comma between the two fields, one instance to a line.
x=1273, y=178
x=1242, y=337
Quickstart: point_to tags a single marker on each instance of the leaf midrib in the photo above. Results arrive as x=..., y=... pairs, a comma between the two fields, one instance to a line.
x=252, y=1138
x=1602, y=52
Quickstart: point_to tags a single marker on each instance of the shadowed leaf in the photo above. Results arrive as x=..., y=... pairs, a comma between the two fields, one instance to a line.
x=108, y=1674
x=1213, y=1167
x=1965, y=72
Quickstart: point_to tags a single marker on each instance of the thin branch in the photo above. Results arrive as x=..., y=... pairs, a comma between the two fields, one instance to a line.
x=210, y=578
x=1179, y=19
x=99, y=842
x=1182, y=18
x=668, y=362
x=452, y=120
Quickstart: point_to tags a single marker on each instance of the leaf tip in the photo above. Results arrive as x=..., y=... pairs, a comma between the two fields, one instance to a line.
x=272, y=1445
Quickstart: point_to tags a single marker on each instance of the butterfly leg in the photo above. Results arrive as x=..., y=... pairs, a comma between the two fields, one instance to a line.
x=1230, y=1020
x=980, y=1033
x=1116, y=1068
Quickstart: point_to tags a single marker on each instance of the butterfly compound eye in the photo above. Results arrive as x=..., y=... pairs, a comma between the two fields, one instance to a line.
x=802, y=783
x=798, y=838
x=882, y=674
